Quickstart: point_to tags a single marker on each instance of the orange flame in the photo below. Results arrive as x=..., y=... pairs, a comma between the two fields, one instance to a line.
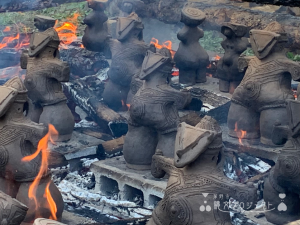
x=7, y=29
x=51, y=202
x=166, y=44
x=67, y=31
x=43, y=149
x=128, y=106
x=217, y=57
x=14, y=40
x=241, y=133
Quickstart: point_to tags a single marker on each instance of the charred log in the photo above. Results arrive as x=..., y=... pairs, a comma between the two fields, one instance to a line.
x=87, y=93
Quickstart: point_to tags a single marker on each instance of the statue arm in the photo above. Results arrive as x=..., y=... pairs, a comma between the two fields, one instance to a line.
x=294, y=69
x=162, y=165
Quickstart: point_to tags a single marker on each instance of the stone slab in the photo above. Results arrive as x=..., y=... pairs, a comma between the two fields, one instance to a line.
x=114, y=171
x=80, y=145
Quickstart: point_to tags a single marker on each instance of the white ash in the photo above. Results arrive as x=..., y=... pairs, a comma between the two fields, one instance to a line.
x=85, y=123
x=74, y=187
x=88, y=162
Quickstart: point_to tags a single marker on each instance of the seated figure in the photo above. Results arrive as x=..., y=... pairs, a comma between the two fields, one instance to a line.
x=198, y=192
x=258, y=103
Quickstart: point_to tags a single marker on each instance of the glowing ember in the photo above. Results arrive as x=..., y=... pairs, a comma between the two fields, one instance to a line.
x=241, y=133
x=217, y=57
x=67, y=31
x=43, y=149
x=7, y=29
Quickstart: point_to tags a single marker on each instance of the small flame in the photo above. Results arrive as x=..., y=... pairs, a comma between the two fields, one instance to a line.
x=43, y=149
x=241, y=133
x=51, y=202
x=7, y=29
x=166, y=44
x=217, y=57
x=128, y=106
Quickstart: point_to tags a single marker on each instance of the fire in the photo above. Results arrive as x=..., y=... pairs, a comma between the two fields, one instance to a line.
x=128, y=106
x=43, y=149
x=7, y=29
x=242, y=132
x=67, y=31
x=51, y=202
x=217, y=57
x=14, y=40
x=166, y=44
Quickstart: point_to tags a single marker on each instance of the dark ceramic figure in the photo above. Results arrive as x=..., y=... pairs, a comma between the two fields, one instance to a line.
x=258, y=103
x=153, y=113
x=95, y=33
x=45, y=72
x=234, y=45
x=129, y=6
x=197, y=191
x=12, y=212
x=19, y=137
x=191, y=58
x=128, y=52
x=281, y=188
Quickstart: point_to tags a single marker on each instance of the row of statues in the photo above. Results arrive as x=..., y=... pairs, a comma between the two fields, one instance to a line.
x=262, y=105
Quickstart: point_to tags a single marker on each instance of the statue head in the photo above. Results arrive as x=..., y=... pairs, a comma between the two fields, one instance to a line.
x=264, y=42
x=233, y=29
x=13, y=92
x=191, y=16
x=129, y=27
x=43, y=23
x=192, y=142
x=156, y=64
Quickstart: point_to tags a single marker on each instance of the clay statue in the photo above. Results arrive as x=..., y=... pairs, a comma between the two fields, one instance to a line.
x=281, y=188
x=191, y=59
x=198, y=192
x=95, y=33
x=12, y=212
x=234, y=45
x=44, y=75
x=128, y=53
x=19, y=137
x=258, y=103
x=153, y=113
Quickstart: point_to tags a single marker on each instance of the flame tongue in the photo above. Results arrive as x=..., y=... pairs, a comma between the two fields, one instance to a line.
x=43, y=149
x=240, y=133
x=67, y=31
